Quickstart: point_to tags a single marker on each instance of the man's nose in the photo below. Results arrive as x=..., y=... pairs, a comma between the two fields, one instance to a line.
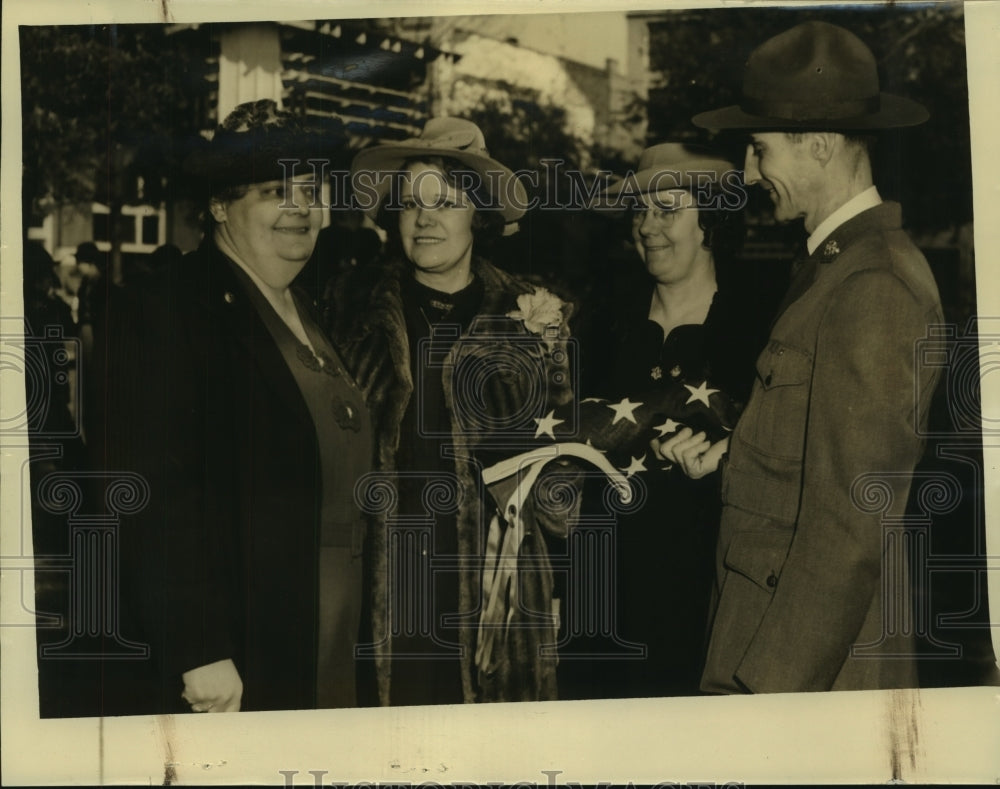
x=751, y=174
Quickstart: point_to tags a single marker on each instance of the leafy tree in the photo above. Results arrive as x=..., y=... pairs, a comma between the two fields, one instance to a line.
x=698, y=58
x=552, y=245
x=103, y=106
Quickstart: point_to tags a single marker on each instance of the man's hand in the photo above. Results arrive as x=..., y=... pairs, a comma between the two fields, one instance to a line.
x=692, y=452
x=216, y=687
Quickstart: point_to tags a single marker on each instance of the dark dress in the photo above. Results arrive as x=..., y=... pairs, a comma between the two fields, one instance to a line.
x=664, y=551
x=425, y=667
x=343, y=431
x=225, y=415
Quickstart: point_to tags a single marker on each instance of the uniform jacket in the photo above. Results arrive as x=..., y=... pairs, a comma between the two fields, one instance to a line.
x=369, y=330
x=222, y=561
x=822, y=454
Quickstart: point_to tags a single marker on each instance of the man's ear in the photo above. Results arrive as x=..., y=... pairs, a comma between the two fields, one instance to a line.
x=218, y=210
x=822, y=146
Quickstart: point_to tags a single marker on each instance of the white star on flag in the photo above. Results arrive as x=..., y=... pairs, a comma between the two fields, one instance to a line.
x=624, y=410
x=547, y=424
x=593, y=400
x=701, y=393
x=670, y=426
x=635, y=466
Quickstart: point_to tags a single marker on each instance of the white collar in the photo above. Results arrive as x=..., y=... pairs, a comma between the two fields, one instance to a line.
x=860, y=202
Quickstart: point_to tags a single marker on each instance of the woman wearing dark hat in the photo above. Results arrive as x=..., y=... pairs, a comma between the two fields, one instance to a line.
x=448, y=349
x=682, y=316
x=243, y=570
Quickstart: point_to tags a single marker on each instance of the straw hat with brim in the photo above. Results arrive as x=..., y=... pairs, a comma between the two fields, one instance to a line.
x=451, y=138
x=816, y=76
x=670, y=165
x=249, y=145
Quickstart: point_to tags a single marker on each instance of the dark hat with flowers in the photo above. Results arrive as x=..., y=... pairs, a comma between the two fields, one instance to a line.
x=258, y=142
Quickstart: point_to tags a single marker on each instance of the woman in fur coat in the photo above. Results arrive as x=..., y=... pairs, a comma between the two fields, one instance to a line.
x=453, y=355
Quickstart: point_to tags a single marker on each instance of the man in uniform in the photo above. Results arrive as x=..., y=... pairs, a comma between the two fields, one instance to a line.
x=823, y=455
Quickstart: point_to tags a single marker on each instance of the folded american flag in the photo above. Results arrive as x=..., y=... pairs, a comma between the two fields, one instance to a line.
x=611, y=435
x=623, y=428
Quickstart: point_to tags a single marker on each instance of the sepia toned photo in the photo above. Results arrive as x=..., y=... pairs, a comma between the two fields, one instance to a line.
x=394, y=381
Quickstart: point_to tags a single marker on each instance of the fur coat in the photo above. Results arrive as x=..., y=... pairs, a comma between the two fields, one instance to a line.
x=366, y=320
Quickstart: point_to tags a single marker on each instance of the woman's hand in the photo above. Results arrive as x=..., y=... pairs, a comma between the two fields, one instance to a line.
x=692, y=452
x=216, y=687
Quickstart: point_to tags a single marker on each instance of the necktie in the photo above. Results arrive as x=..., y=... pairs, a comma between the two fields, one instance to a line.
x=803, y=274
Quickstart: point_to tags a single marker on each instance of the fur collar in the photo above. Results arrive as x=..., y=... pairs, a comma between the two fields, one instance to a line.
x=369, y=295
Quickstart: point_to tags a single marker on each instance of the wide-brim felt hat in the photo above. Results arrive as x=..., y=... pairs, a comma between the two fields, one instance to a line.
x=816, y=76
x=670, y=165
x=451, y=138
x=256, y=143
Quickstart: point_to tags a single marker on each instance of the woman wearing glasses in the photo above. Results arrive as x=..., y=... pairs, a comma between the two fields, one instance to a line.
x=676, y=317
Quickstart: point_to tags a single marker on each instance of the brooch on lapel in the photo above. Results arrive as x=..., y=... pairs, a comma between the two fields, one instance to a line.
x=320, y=362
x=831, y=249
x=346, y=415
x=657, y=372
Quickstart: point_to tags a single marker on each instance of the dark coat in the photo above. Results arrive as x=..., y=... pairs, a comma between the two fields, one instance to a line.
x=664, y=550
x=808, y=584
x=368, y=326
x=222, y=562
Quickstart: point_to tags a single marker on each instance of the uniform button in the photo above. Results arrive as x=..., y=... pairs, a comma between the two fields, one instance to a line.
x=781, y=352
x=229, y=297
x=772, y=580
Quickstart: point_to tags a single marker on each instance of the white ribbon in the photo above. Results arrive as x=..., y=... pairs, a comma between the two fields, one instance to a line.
x=499, y=582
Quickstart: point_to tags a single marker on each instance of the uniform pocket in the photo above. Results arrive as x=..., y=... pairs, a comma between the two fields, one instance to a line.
x=759, y=556
x=775, y=418
x=753, y=564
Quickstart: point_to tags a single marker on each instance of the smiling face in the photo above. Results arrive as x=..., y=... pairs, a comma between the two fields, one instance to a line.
x=271, y=228
x=782, y=166
x=668, y=237
x=435, y=224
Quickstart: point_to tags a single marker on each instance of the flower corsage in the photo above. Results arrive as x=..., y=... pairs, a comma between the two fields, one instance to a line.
x=542, y=314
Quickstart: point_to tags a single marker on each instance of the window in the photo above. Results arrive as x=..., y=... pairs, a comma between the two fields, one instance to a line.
x=143, y=227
